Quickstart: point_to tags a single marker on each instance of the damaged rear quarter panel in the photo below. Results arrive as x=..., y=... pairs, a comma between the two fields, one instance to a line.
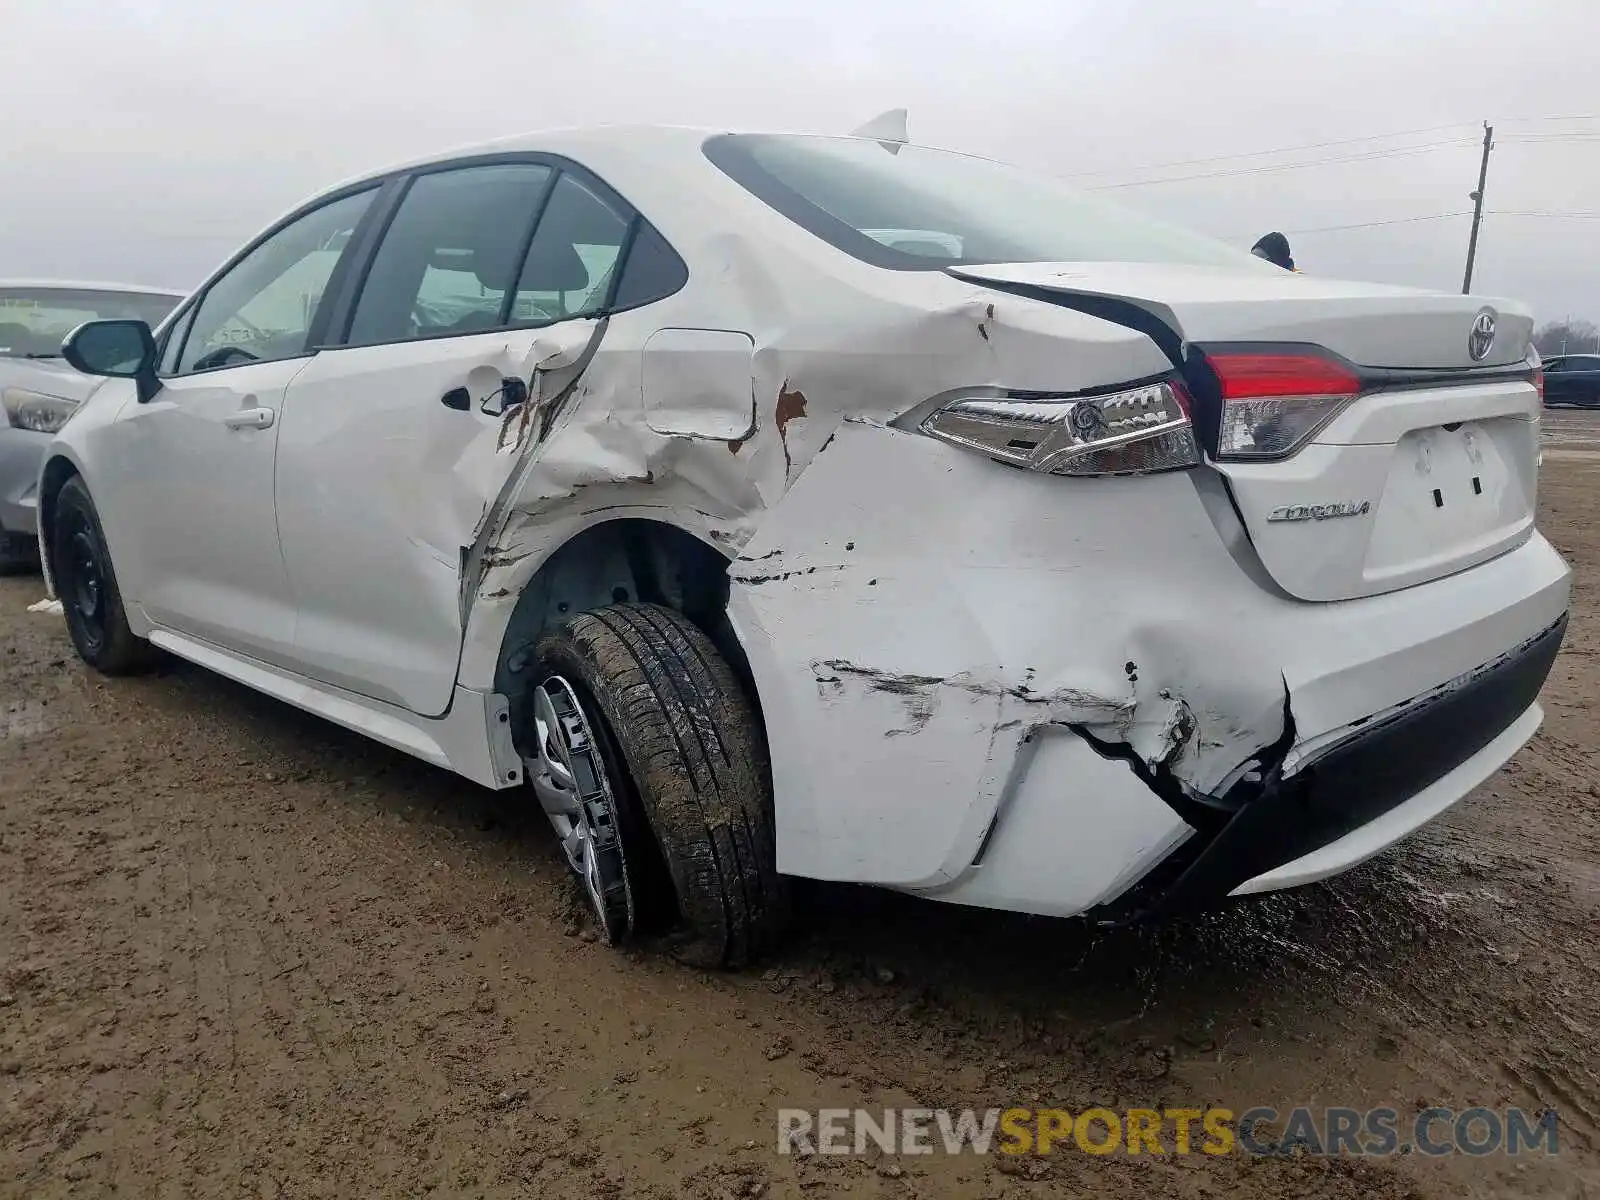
x=828, y=343
x=912, y=613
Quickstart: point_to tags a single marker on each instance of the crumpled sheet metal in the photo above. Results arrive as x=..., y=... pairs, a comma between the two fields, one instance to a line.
x=907, y=643
x=872, y=364
x=827, y=626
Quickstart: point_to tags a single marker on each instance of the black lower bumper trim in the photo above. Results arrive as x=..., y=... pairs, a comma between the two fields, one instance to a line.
x=1374, y=770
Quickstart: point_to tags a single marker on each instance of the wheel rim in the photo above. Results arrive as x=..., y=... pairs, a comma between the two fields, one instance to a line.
x=83, y=590
x=574, y=787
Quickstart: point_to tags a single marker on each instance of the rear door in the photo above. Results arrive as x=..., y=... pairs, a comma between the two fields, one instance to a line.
x=396, y=443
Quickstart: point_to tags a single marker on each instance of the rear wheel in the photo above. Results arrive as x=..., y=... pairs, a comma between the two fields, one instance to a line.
x=88, y=587
x=653, y=773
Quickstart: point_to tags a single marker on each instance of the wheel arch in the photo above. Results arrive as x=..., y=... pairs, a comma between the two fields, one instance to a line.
x=624, y=558
x=53, y=476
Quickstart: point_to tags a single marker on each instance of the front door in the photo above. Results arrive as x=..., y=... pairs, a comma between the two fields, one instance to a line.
x=394, y=446
x=194, y=466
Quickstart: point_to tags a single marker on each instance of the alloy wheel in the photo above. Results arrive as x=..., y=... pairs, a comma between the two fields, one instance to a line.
x=574, y=786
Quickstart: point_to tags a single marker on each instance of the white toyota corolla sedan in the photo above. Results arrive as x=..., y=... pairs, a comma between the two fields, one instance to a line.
x=774, y=506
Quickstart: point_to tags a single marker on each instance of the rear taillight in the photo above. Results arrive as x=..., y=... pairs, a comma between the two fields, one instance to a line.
x=1273, y=404
x=1133, y=431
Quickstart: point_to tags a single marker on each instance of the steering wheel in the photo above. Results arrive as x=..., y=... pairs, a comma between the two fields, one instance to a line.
x=222, y=356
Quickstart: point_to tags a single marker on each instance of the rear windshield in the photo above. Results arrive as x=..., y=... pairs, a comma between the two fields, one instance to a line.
x=909, y=207
x=35, y=321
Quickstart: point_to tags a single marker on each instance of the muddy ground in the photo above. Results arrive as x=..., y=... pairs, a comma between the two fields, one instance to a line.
x=243, y=953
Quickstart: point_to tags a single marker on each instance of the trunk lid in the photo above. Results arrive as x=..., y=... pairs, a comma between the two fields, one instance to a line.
x=1431, y=470
x=1371, y=324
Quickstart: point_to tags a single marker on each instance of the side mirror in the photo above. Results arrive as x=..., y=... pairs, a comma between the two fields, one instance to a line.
x=123, y=349
x=120, y=349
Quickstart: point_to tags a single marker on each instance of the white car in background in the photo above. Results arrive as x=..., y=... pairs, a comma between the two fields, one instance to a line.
x=38, y=391
x=1062, y=562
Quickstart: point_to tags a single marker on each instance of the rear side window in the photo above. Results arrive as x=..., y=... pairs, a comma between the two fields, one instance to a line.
x=591, y=252
x=573, y=257
x=653, y=270
x=913, y=208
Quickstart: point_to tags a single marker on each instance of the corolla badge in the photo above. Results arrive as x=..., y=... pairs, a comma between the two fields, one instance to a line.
x=1320, y=512
x=1481, y=340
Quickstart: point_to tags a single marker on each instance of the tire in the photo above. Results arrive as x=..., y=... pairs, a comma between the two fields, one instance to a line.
x=87, y=586
x=695, y=761
x=19, y=554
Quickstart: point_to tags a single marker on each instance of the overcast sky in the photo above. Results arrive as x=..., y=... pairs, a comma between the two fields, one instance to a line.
x=145, y=139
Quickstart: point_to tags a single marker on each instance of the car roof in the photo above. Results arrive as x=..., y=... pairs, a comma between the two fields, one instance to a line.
x=572, y=140
x=76, y=285
x=587, y=144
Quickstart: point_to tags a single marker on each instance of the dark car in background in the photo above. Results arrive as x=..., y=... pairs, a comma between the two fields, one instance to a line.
x=1572, y=379
x=39, y=391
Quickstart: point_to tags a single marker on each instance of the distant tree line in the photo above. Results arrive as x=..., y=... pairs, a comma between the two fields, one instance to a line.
x=1567, y=337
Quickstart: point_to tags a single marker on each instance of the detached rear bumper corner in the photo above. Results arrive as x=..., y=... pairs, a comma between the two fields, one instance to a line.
x=1360, y=795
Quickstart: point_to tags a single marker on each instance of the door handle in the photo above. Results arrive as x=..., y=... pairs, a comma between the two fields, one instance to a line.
x=512, y=393
x=250, y=418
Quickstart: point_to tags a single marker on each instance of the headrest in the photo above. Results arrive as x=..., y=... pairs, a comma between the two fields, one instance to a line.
x=555, y=266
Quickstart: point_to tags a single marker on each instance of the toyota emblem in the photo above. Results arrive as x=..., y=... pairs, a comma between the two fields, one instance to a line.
x=1481, y=340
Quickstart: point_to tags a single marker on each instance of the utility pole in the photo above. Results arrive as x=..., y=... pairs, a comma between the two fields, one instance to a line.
x=1477, y=205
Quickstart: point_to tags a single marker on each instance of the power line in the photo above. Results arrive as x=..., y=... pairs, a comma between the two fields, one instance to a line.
x=1375, y=224
x=1536, y=138
x=1492, y=212
x=1530, y=120
x=1348, y=141
x=1191, y=162
x=1559, y=216
x=1368, y=156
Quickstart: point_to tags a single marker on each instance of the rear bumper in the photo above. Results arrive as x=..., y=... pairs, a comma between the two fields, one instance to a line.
x=1365, y=792
x=21, y=454
x=1031, y=693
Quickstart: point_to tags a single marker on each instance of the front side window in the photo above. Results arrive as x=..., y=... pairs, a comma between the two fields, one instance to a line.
x=916, y=208
x=34, y=321
x=450, y=255
x=172, y=344
x=262, y=309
